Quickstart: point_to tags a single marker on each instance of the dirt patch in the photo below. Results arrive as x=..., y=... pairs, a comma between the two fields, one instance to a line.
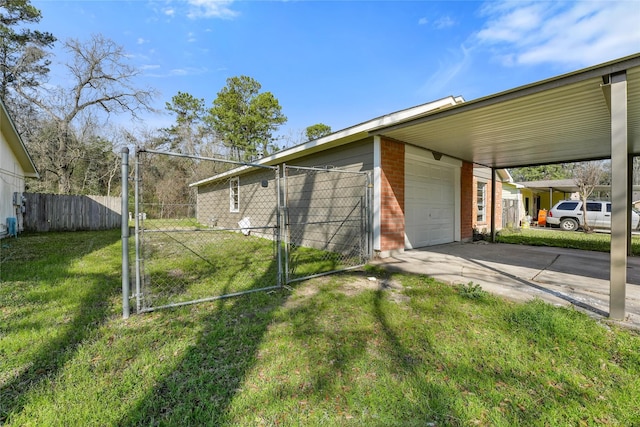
x=357, y=285
x=350, y=286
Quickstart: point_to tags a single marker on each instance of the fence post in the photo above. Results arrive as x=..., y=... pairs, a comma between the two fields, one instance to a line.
x=125, y=233
x=285, y=221
x=279, y=227
x=136, y=213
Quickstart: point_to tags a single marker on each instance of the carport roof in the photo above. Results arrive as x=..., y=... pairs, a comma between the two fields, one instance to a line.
x=563, y=185
x=562, y=119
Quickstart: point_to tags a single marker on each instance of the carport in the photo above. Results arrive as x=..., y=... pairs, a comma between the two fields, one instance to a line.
x=589, y=114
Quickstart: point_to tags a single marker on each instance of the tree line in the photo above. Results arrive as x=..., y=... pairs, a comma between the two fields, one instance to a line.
x=68, y=128
x=69, y=133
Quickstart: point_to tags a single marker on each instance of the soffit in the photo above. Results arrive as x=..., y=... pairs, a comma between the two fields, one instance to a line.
x=558, y=120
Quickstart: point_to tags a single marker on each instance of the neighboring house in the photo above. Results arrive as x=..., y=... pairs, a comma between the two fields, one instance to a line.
x=420, y=197
x=15, y=166
x=543, y=194
x=513, y=212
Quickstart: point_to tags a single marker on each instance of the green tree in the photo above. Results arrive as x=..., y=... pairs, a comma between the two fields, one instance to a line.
x=540, y=173
x=187, y=134
x=245, y=118
x=23, y=56
x=317, y=131
x=587, y=175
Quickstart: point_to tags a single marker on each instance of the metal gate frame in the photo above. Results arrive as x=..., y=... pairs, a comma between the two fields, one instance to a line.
x=366, y=215
x=138, y=230
x=281, y=237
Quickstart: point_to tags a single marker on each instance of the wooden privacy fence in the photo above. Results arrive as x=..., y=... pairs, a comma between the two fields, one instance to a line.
x=57, y=212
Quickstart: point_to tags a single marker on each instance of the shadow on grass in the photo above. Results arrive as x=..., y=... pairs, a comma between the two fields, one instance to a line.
x=436, y=402
x=207, y=267
x=92, y=309
x=210, y=373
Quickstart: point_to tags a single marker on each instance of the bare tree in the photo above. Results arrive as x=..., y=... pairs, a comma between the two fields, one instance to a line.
x=587, y=176
x=102, y=83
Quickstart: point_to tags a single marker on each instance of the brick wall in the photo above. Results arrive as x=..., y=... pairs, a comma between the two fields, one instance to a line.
x=485, y=226
x=392, y=198
x=392, y=195
x=467, y=201
x=498, y=216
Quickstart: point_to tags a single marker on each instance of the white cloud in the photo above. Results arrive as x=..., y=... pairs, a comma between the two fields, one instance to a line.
x=211, y=9
x=141, y=41
x=169, y=11
x=577, y=33
x=444, y=22
x=439, y=81
x=177, y=72
x=439, y=24
x=191, y=37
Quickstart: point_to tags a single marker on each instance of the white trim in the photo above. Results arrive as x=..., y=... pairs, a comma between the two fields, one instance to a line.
x=16, y=144
x=483, y=212
x=457, y=225
x=232, y=197
x=345, y=136
x=377, y=191
x=426, y=156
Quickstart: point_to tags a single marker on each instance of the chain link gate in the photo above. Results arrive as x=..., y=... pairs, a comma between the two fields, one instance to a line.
x=203, y=230
x=208, y=228
x=327, y=219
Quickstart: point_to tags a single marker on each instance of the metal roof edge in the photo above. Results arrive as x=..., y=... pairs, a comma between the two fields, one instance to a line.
x=344, y=136
x=365, y=127
x=219, y=176
x=610, y=67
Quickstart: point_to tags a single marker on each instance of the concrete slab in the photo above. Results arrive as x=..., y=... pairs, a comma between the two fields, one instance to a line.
x=520, y=273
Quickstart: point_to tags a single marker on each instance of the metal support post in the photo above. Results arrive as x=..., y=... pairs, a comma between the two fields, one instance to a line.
x=137, y=228
x=620, y=198
x=124, y=214
x=279, y=227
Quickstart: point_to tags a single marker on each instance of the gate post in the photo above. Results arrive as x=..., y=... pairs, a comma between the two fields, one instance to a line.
x=279, y=228
x=124, y=214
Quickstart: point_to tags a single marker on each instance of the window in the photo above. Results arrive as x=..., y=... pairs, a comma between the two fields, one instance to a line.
x=480, y=199
x=594, y=207
x=567, y=206
x=234, y=195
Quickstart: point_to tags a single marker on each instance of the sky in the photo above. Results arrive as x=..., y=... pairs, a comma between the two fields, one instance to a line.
x=342, y=63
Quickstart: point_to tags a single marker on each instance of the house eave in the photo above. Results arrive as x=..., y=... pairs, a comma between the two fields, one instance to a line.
x=16, y=144
x=342, y=137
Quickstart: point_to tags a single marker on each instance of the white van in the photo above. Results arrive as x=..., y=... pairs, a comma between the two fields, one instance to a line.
x=568, y=215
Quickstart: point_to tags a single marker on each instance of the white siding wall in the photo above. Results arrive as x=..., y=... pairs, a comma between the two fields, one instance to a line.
x=11, y=180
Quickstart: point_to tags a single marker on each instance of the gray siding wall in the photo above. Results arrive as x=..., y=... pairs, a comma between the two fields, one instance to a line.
x=256, y=202
x=312, y=197
x=357, y=156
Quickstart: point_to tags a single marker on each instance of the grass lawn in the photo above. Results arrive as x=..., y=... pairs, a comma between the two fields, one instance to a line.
x=600, y=242
x=339, y=350
x=188, y=265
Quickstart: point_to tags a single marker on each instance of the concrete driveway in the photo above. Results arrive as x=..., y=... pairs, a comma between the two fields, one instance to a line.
x=517, y=272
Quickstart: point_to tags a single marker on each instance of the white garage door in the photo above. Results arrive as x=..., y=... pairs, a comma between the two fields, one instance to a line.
x=431, y=199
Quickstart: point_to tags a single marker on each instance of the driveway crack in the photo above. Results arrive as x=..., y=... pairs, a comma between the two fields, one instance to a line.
x=534, y=278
